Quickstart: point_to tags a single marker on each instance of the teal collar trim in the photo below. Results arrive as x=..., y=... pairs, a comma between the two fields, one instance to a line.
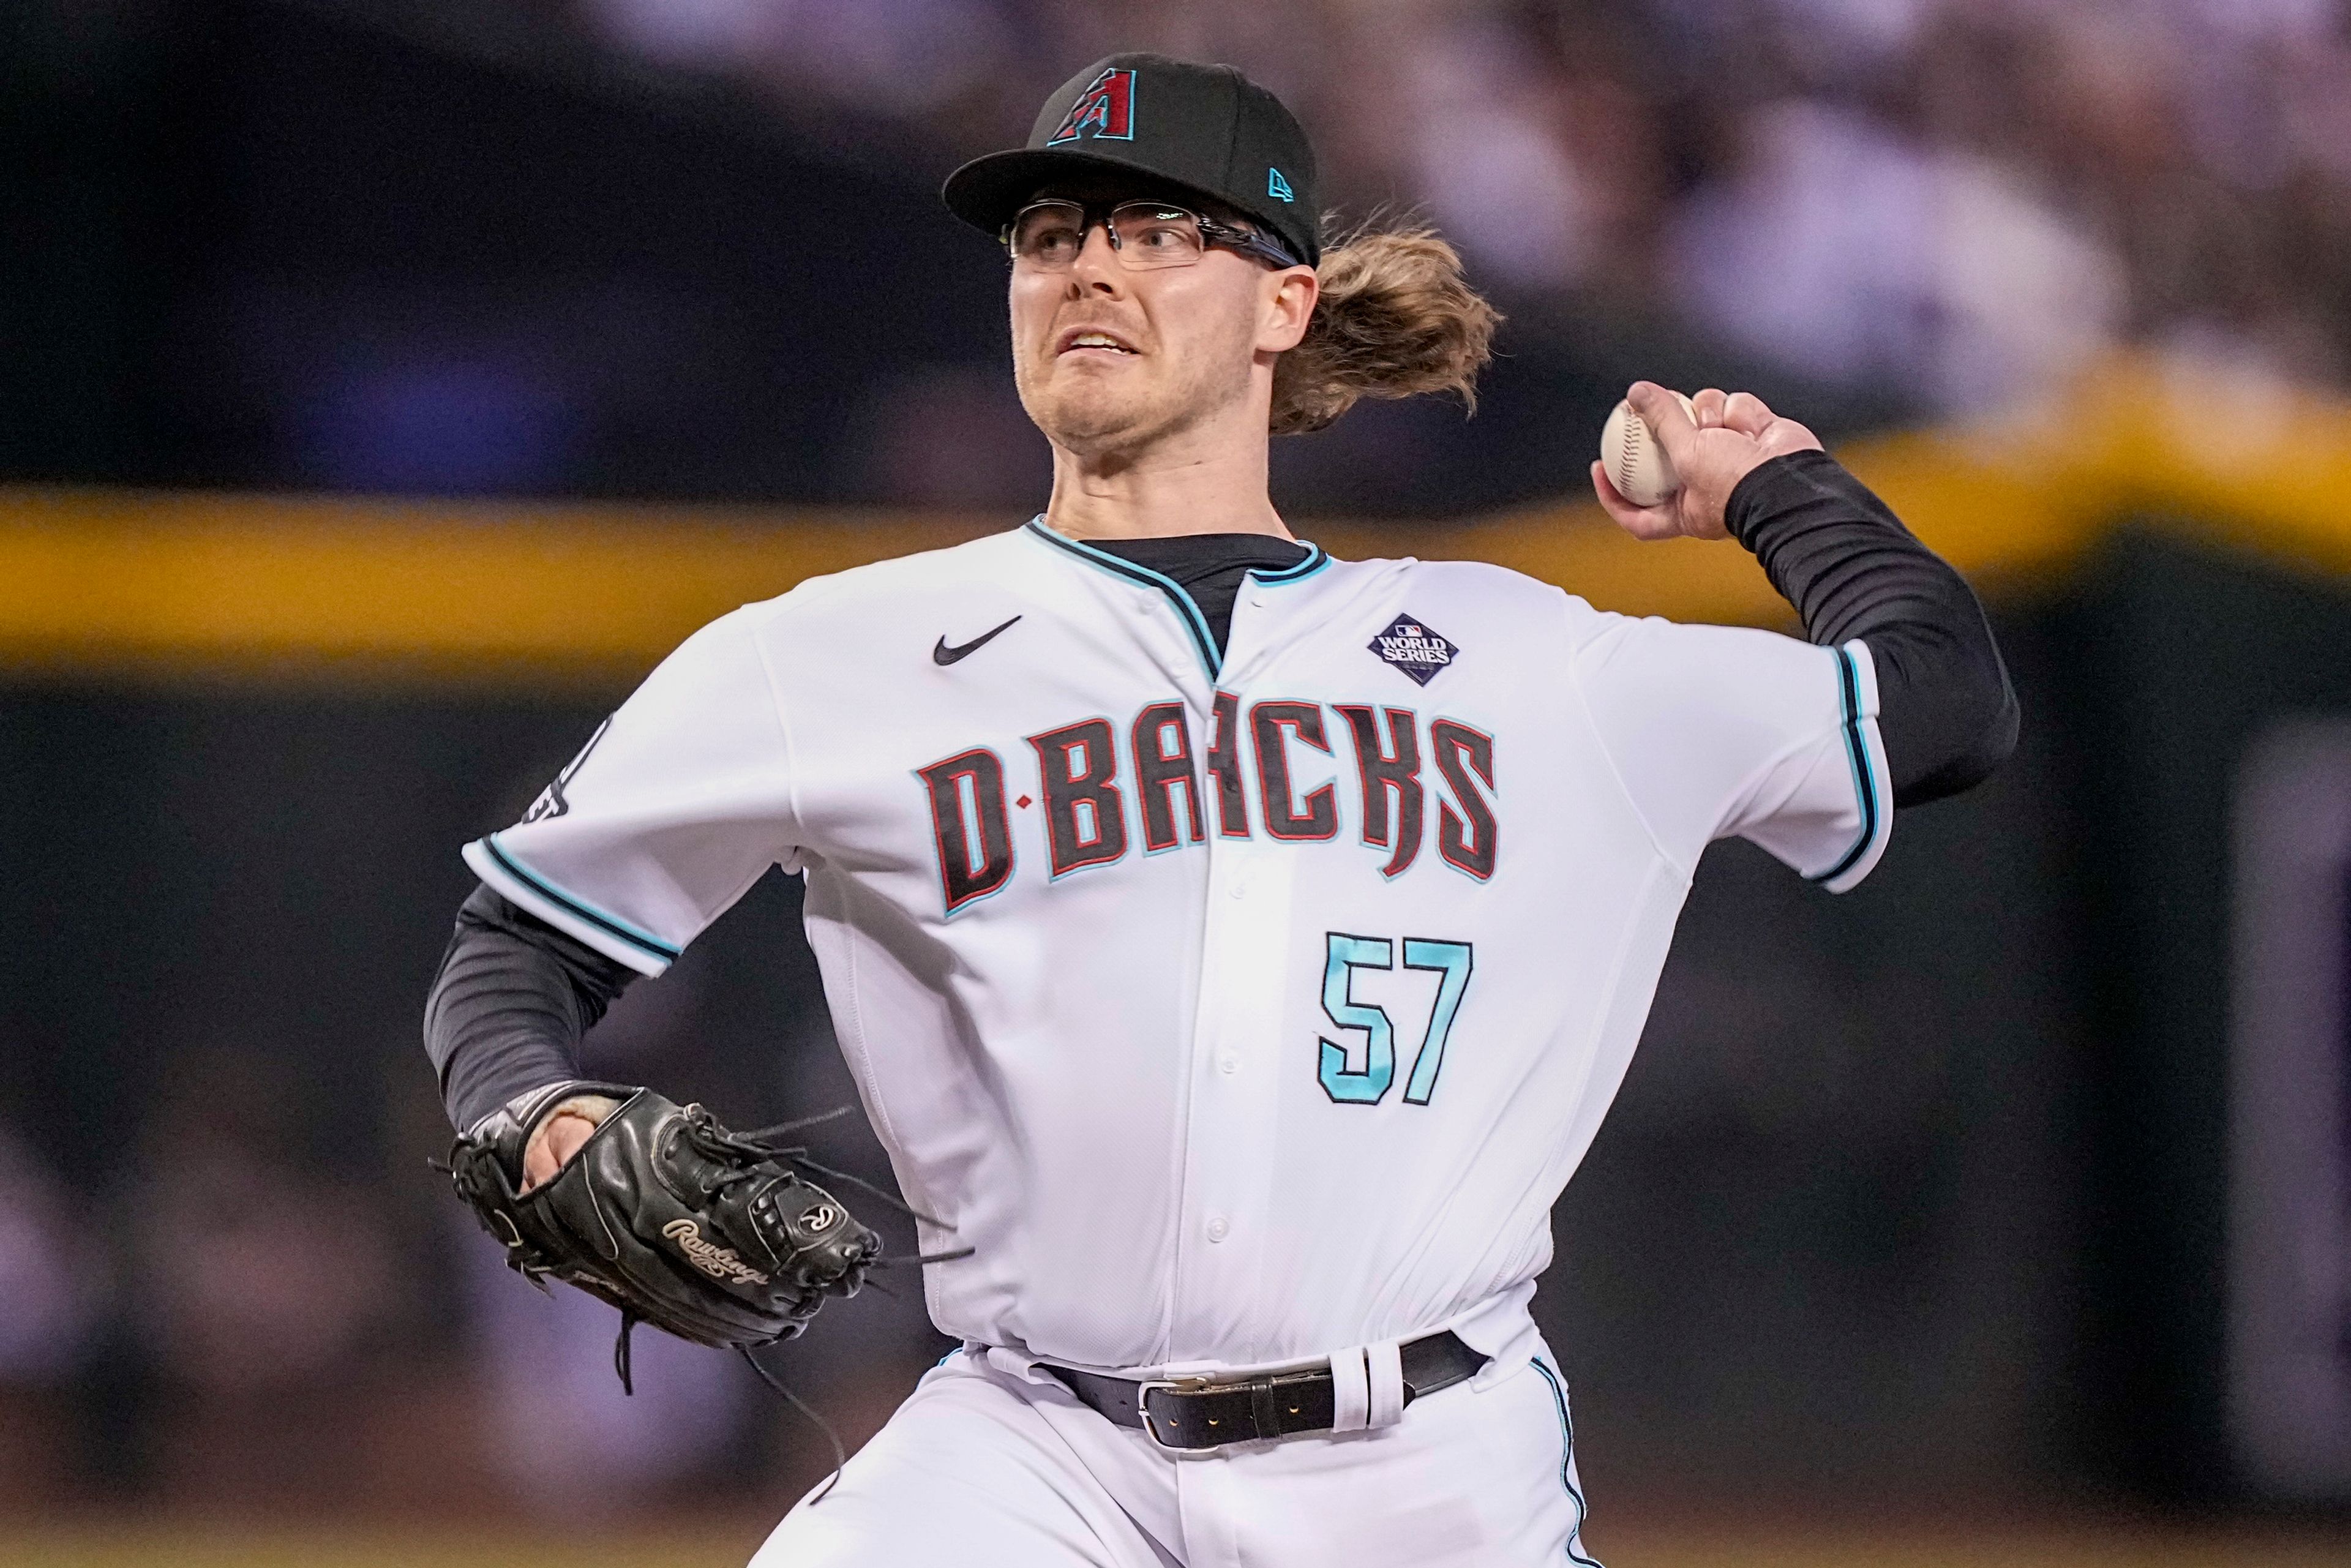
x=1203, y=641
x=1316, y=560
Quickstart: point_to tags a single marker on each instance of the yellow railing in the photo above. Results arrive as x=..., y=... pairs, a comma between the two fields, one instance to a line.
x=207, y=583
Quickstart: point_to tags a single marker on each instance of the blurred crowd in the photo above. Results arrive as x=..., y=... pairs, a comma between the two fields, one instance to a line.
x=1953, y=203
x=690, y=249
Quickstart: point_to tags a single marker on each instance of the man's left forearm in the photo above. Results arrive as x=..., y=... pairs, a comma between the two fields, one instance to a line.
x=507, y=1009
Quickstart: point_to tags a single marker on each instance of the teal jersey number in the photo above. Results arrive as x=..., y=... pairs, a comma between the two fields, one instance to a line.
x=1348, y=953
x=1450, y=961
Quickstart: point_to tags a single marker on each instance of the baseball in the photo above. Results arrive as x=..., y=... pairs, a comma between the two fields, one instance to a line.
x=1636, y=464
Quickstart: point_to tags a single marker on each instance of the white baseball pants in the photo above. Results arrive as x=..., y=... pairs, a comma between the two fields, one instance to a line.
x=987, y=1468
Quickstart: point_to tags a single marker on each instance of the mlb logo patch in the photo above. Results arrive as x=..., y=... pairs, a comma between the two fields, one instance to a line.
x=1415, y=647
x=1105, y=112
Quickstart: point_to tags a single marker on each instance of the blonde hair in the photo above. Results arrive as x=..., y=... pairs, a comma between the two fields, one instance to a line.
x=1395, y=319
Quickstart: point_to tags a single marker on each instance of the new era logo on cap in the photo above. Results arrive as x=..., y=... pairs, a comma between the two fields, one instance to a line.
x=1277, y=187
x=1415, y=647
x=1105, y=112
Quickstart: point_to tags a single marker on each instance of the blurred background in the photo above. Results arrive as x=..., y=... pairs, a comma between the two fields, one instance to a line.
x=386, y=385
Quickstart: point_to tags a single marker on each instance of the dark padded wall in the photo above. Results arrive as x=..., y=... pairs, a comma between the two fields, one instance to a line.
x=2186, y=656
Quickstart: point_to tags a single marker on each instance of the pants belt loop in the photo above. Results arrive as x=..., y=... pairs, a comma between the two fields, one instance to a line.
x=1350, y=1391
x=1384, y=1363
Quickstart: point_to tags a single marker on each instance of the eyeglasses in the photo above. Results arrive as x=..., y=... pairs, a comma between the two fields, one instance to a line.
x=1048, y=237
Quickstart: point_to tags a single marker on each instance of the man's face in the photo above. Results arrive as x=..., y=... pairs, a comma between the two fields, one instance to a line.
x=1109, y=359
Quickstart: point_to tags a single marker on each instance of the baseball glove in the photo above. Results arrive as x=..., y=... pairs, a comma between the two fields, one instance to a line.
x=711, y=1235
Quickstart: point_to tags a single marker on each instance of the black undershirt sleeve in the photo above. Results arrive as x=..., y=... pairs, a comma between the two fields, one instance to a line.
x=512, y=999
x=1836, y=552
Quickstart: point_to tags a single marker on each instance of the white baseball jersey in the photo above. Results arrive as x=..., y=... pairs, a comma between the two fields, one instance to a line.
x=1234, y=1009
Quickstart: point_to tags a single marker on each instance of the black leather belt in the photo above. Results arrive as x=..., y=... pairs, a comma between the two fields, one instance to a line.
x=1196, y=1413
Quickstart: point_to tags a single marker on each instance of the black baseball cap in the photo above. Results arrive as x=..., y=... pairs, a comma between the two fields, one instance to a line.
x=1206, y=130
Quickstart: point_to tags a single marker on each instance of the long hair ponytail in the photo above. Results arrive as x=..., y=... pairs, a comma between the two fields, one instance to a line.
x=1395, y=319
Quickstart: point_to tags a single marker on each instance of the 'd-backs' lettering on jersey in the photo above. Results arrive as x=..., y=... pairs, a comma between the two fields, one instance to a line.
x=1086, y=769
x=1284, y=987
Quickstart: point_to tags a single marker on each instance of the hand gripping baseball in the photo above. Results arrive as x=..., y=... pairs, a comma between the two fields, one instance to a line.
x=1732, y=434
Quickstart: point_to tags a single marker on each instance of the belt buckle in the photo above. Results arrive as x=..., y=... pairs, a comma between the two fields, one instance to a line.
x=1173, y=1386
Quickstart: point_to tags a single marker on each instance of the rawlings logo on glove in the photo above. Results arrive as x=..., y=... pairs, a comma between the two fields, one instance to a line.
x=718, y=1263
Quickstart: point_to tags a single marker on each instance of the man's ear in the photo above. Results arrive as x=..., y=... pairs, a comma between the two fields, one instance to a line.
x=1288, y=304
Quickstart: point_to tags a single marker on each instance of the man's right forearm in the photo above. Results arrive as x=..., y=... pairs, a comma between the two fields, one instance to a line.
x=512, y=999
x=1838, y=554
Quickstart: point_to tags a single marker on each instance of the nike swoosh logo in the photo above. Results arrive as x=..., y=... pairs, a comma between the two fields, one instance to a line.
x=942, y=654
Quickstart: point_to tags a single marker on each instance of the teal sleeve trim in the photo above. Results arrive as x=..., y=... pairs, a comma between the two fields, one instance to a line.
x=635, y=940
x=1865, y=778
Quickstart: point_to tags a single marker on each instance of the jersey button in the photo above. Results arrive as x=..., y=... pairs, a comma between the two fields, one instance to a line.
x=1219, y=1228
x=1228, y=1064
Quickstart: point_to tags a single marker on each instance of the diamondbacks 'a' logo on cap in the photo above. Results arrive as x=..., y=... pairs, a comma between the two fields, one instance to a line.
x=1105, y=112
x=1415, y=647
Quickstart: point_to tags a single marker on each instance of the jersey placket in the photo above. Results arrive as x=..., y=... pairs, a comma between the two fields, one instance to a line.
x=1225, y=1151
x=1206, y=1226
x=1231, y=1110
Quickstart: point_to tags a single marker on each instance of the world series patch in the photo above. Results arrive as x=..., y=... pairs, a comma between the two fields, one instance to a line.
x=1415, y=647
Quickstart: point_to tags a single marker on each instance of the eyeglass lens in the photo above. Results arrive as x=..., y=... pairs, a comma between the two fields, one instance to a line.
x=1050, y=234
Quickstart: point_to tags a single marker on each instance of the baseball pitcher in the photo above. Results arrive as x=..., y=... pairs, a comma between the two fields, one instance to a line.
x=1236, y=948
